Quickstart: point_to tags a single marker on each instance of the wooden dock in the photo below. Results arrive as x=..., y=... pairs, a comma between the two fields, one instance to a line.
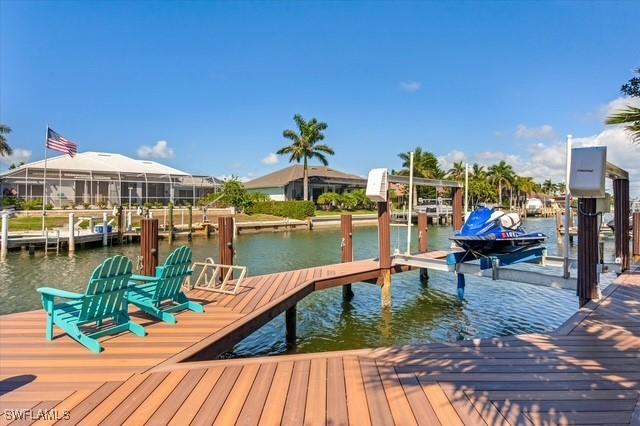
x=587, y=372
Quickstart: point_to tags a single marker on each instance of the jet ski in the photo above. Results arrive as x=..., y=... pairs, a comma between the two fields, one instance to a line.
x=493, y=232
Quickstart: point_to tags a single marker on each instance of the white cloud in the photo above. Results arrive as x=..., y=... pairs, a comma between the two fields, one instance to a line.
x=159, y=150
x=544, y=132
x=446, y=161
x=410, y=86
x=18, y=156
x=270, y=159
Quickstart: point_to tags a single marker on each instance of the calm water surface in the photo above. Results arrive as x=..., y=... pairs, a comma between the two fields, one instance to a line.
x=420, y=314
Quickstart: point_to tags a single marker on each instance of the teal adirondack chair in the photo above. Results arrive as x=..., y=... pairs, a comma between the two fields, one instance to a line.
x=161, y=295
x=105, y=298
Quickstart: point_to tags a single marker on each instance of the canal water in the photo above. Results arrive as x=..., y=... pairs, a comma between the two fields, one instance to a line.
x=420, y=313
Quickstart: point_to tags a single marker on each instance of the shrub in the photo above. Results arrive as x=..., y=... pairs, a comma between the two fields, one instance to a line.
x=48, y=206
x=330, y=200
x=291, y=209
x=32, y=205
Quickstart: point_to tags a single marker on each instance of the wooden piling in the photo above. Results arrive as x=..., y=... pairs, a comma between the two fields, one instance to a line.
x=120, y=224
x=4, y=245
x=636, y=234
x=190, y=222
x=149, y=246
x=105, y=232
x=71, y=243
x=170, y=226
x=621, y=221
x=225, y=241
x=457, y=213
x=346, y=247
x=384, y=245
x=290, y=325
x=588, y=233
x=423, y=242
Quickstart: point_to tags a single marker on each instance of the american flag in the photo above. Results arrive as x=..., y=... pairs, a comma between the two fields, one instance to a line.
x=59, y=143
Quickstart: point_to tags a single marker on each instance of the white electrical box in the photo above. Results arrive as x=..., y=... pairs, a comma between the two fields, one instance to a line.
x=377, y=185
x=588, y=169
x=603, y=205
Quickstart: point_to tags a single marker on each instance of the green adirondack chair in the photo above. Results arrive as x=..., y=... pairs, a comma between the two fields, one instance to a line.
x=161, y=295
x=105, y=298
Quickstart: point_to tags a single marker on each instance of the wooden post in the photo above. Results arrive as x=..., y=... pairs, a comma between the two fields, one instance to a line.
x=225, y=241
x=290, y=324
x=636, y=234
x=457, y=213
x=105, y=233
x=384, y=245
x=621, y=220
x=120, y=224
x=423, y=243
x=190, y=221
x=71, y=244
x=588, y=233
x=346, y=246
x=170, y=223
x=4, y=247
x=149, y=246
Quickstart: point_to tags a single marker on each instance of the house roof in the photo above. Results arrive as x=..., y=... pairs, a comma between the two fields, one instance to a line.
x=101, y=162
x=282, y=177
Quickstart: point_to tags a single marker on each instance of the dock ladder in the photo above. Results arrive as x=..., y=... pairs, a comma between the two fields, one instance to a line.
x=51, y=243
x=216, y=277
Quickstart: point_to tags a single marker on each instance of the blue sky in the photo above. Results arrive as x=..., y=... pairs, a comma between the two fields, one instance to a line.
x=219, y=81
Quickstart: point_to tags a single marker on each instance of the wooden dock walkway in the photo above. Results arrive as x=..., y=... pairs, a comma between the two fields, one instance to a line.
x=587, y=372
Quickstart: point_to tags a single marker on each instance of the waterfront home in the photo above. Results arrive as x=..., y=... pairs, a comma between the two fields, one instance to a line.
x=286, y=184
x=102, y=178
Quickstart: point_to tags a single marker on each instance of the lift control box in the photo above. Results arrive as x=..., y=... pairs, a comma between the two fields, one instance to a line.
x=588, y=170
x=378, y=185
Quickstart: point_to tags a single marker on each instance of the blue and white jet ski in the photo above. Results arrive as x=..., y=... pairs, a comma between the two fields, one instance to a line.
x=490, y=232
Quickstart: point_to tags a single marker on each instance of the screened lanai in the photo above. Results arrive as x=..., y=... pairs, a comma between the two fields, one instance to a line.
x=99, y=178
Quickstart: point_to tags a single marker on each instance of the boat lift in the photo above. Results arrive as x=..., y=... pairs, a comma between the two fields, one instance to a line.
x=540, y=268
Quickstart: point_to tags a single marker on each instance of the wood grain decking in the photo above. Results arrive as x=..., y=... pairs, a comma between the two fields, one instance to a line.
x=587, y=372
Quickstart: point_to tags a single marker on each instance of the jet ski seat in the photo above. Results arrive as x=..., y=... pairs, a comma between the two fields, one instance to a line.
x=509, y=221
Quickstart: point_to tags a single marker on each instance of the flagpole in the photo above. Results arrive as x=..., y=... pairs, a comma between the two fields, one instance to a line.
x=44, y=184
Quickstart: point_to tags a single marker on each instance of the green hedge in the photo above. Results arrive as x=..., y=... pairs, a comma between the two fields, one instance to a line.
x=291, y=209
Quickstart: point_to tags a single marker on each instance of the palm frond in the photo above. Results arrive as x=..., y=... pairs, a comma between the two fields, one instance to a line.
x=629, y=116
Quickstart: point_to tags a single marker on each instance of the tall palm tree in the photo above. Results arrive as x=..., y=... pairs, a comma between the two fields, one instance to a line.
x=629, y=116
x=425, y=165
x=501, y=174
x=457, y=171
x=305, y=146
x=525, y=186
x=5, y=149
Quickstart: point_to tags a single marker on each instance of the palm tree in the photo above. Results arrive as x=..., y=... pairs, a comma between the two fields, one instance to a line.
x=457, y=171
x=425, y=165
x=548, y=187
x=305, y=146
x=525, y=186
x=501, y=174
x=478, y=171
x=629, y=116
x=5, y=149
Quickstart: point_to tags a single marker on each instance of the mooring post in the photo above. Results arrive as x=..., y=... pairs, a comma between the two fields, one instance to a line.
x=120, y=224
x=621, y=221
x=105, y=234
x=346, y=246
x=149, y=246
x=456, y=212
x=384, y=244
x=71, y=244
x=290, y=324
x=225, y=242
x=190, y=221
x=170, y=223
x=4, y=245
x=636, y=234
x=423, y=243
x=588, y=233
